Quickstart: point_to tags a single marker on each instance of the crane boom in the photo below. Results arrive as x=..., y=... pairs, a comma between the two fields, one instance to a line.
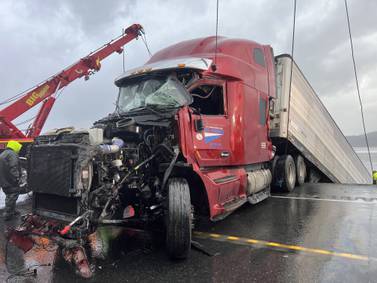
x=45, y=91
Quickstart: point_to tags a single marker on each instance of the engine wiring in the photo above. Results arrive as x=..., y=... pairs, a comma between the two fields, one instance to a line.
x=206, y=96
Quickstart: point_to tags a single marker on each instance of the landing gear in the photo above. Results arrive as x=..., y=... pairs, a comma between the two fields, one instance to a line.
x=300, y=170
x=285, y=172
x=179, y=219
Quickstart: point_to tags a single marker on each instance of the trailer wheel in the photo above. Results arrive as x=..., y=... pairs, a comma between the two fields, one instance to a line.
x=179, y=219
x=285, y=171
x=300, y=170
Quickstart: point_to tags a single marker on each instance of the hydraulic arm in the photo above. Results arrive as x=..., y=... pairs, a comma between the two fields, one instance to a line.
x=45, y=92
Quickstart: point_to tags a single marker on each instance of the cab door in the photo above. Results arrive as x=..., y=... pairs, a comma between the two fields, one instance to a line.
x=259, y=134
x=210, y=124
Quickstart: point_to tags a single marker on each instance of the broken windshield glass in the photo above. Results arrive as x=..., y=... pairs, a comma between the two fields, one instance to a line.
x=155, y=91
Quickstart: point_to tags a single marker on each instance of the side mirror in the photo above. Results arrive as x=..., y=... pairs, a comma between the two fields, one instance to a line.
x=198, y=125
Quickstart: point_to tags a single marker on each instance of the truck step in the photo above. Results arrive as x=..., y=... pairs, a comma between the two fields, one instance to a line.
x=259, y=196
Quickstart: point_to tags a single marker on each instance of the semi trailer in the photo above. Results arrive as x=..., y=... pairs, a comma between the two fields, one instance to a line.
x=199, y=130
x=311, y=132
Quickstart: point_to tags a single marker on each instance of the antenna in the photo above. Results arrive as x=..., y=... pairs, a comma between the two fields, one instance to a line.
x=213, y=66
x=123, y=57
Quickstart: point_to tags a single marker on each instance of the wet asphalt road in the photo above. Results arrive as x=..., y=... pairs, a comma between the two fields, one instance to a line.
x=318, y=233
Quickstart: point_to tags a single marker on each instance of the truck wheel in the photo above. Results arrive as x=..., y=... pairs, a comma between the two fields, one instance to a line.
x=285, y=171
x=179, y=219
x=300, y=170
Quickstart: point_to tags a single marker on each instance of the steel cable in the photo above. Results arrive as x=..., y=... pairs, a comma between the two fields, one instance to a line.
x=123, y=58
x=25, y=121
x=217, y=29
x=290, y=78
x=15, y=97
x=357, y=84
x=144, y=39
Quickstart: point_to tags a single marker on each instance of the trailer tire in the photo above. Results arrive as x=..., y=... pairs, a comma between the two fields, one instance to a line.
x=285, y=171
x=179, y=219
x=300, y=170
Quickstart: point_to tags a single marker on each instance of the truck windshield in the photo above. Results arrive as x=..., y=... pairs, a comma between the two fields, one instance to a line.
x=157, y=91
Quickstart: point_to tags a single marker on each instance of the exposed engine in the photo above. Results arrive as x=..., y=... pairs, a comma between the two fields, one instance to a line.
x=114, y=171
x=124, y=171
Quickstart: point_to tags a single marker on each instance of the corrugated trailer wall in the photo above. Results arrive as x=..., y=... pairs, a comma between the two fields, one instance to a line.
x=311, y=128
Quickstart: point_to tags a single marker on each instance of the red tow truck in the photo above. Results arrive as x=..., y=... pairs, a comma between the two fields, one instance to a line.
x=46, y=91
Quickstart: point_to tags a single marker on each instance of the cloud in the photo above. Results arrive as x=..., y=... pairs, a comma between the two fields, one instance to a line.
x=39, y=38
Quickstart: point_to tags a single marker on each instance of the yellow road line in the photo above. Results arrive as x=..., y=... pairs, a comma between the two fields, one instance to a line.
x=243, y=241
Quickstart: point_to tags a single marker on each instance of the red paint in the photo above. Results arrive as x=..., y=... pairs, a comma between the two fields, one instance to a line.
x=245, y=84
x=65, y=230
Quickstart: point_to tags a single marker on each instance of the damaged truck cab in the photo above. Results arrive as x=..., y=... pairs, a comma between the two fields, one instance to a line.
x=224, y=133
x=189, y=136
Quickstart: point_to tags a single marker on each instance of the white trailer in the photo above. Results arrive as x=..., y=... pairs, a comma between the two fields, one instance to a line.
x=303, y=121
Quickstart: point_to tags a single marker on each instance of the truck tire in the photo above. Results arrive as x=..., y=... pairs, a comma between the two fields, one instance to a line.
x=300, y=170
x=285, y=172
x=179, y=219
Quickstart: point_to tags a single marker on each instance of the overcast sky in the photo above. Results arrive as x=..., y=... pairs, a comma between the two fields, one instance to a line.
x=39, y=38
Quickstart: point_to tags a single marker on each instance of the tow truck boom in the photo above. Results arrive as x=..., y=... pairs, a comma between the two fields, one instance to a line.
x=45, y=91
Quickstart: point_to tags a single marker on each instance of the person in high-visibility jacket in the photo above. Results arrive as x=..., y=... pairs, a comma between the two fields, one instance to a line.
x=375, y=177
x=10, y=175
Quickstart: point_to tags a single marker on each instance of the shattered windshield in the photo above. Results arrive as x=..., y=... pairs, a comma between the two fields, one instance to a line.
x=153, y=91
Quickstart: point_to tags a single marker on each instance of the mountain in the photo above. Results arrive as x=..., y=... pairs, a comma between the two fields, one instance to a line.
x=359, y=141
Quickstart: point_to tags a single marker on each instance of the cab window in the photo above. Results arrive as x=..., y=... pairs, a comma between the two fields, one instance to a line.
x=208, y=99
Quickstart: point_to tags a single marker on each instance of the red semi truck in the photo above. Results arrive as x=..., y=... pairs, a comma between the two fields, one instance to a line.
x=196, y=131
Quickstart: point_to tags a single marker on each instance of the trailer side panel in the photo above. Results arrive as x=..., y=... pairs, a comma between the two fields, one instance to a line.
x=311, y=128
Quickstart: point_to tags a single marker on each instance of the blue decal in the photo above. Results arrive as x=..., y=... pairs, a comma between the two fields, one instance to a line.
x=211, y=134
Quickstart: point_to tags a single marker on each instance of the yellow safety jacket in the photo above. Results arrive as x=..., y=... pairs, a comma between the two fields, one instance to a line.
x=375, y=177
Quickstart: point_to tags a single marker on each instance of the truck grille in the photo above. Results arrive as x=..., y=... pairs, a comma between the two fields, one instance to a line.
x=51, y=170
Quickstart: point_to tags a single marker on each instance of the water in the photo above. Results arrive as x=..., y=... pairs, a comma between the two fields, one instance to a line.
x=362, y=152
